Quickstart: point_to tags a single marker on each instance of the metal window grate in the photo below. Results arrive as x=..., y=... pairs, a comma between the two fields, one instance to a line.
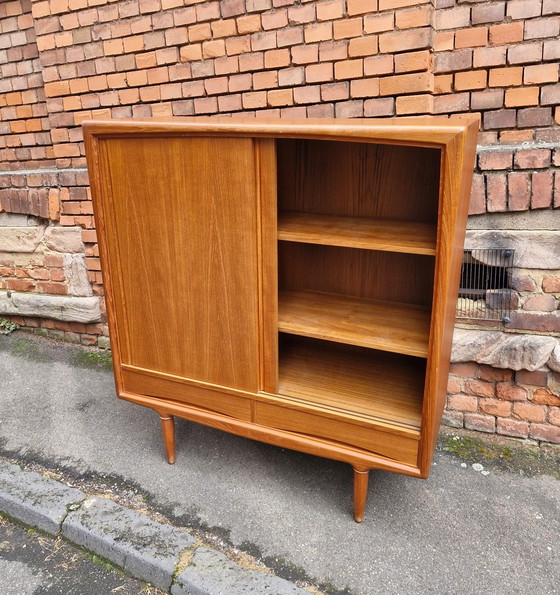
x=484, y=291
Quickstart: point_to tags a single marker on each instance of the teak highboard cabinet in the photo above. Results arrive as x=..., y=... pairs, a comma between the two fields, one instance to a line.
x=291, y=281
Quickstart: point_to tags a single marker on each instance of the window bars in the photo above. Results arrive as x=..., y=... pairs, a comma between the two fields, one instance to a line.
x=484, y=290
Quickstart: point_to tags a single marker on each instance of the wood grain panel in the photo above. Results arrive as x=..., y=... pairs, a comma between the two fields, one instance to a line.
x=358, y=180
x=386, y=276
x=212, y=400
x=184, y=233
x=399, y=448
x=389, y=326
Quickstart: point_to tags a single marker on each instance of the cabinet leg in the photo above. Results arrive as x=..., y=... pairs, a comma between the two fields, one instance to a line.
x=168, y=428
x=361, y=477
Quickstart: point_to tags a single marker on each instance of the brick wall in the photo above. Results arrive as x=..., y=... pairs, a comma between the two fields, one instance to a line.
x=63, y=61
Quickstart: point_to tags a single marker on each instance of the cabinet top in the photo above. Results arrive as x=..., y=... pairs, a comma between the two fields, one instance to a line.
x=425, y=130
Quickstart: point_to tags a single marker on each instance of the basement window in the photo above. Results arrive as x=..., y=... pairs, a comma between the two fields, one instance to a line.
x=484, y=291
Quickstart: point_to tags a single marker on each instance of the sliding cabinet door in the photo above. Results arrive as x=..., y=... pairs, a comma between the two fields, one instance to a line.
x=178, y=216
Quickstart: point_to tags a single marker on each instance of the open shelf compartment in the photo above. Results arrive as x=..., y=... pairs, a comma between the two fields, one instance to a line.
x=382, y=388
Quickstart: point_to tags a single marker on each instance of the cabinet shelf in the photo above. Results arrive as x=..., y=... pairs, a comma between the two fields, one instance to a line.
x=377, y=324
x=357, y=232
x=380, y=387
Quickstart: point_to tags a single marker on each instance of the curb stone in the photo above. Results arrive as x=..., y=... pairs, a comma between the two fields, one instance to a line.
x=146, y=549
x=37, y=501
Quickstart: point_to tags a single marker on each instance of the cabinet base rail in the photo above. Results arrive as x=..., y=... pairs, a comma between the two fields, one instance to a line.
x=361, y=462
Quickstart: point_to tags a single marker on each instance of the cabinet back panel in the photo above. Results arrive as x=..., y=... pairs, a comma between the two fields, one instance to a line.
x=358, y=179
x=388, y=276
x=181, y=221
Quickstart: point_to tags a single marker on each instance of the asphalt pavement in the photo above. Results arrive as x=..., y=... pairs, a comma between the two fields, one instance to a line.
x=467, y=529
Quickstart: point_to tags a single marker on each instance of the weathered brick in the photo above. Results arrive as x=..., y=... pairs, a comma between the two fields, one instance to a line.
x=551, y=284
x=479, y=388
x=532, y=117
x=456, y=102
x=525, y=53
x=509, y=391
x=349, y=109
x=453, y=61
x=511, y=427
x=477, y=203
x=541, y=193
x=480, y=423
x=488, y=13
x=539, y=28
x=532, y=158
x=305, y=54
x=379, y=107
x=491, y=374
x=534, y=378
x=454, y=18
x=496, y=197
x=487, y=99
x=499, y=119
x=543, y=396
x=495, y=160
x=333, y=50
x=530, y=321
x=496, y=407
x=335, y=91
x=307, y=94
x=454, y=385
x=550, y=95
x=465, y=370
x=490, y=56
x=529, y=412
x=462, y=403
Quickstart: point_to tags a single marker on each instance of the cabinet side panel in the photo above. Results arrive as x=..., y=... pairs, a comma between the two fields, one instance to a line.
x=182, y=233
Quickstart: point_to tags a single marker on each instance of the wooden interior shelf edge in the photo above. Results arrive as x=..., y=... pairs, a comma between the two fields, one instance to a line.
x=358, y=232
x=377, y=324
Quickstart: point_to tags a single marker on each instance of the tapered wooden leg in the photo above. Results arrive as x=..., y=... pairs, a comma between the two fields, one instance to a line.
x=168, y=428
x=360, y=493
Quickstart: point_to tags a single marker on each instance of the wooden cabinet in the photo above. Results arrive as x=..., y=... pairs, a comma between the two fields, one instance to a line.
x=291, y=281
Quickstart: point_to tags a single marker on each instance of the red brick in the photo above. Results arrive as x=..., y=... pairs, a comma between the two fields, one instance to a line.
x=499, y=119
x=410, y=19
x=538, y=28
x=524, y=53
x=470, y=38
x=532, y=159
x=495, y=407
x=302, y=14
x=455, y=18
x=335, y=91
x=495, y=160
x=52, y=287
x=443, y=83
x=328, y=11
x=453, y=61
x=534, y=378
x=415, y=104
x=466, y=369
x=509, y=391
x=543, y=396
x=308, y=94
x=254, y=100
x=389, y=4
x=277, y=58
x=541, y=190
x=401, y=41
x=406, y=83
x=319, y=73
x=483, y=57
x=360, y=6
x=473, y=79
x=274, y=19
x=540, y=73
x=529, y=412
x=477, y=204
x=290, y=36
x=511, y=427
x=379, y=107
x=377, y=23
x=550, y=95
x=413, y=61
x=280, y=97
x=491, y=374
x=551, y=49
x=530, y=321
x=456, y=102
x=454, y=385
x=506, y=34
x=551, y=284
x=478, y=388
x=488, y=13
x=522, y=96
x=462, y=403
x=480, y=423
x=496, y=193
x=378, y=65
x=347, y=28
x=362, y=46
x=305, y=54
x=291, y=76
x=318, y=32
x=518, y=191
x=365, y=87
x=349, y=109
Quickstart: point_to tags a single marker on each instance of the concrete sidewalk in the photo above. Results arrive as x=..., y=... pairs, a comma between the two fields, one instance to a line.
x=461, y=531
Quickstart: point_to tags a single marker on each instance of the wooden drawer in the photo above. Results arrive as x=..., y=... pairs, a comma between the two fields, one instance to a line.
x=400, y=448
x=140, y=383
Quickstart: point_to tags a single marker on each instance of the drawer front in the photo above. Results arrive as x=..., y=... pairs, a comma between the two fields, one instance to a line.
x=374, y=440
x=143, y=384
